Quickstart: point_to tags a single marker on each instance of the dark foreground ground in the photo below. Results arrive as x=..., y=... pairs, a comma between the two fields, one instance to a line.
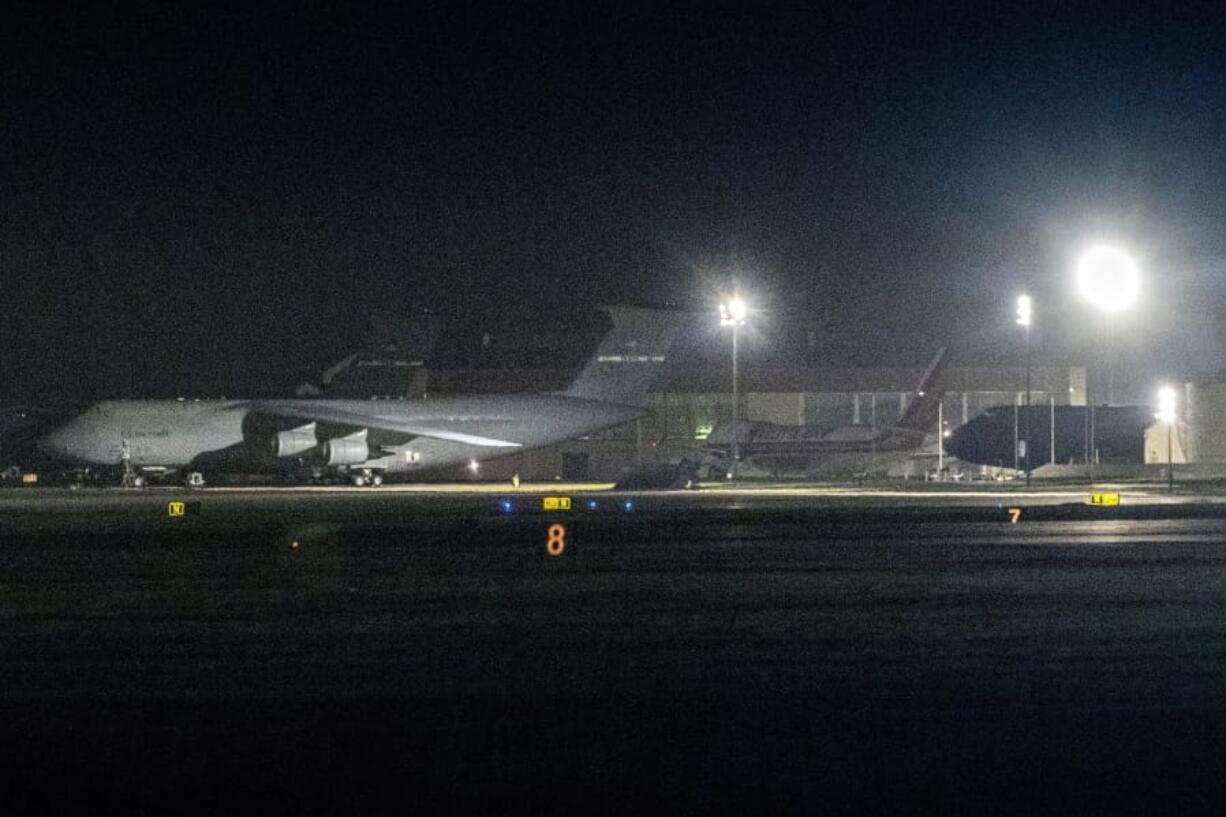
x=433, y=656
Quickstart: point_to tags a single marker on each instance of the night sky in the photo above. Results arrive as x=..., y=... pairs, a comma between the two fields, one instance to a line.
x=203, y=202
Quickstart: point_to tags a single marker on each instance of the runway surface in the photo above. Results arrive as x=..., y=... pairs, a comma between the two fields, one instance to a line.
x=390, y=654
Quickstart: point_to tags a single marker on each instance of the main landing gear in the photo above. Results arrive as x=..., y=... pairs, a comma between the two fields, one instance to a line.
x=367, y=477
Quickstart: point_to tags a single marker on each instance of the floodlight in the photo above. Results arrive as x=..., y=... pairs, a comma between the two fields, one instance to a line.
x=737, y=309
x=1108, y=278
x=1024, y=309
x=733, y=311
x=1166, y=405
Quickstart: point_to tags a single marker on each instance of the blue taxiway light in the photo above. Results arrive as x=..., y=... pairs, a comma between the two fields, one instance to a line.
x=592, y=504
x=629, y=505
x=507, y=507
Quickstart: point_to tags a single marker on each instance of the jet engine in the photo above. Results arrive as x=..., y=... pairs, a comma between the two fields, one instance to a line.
x=289, y=443
x=346, y=451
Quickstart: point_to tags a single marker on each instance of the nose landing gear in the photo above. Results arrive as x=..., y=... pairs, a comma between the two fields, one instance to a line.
x=130, y=477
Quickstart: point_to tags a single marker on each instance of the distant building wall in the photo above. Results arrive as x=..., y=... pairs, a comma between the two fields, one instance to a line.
x=1156, y=437
x=776, y=407
x=1077, y=385
x=692, y=416
x=683, y=408
x=1206, y=421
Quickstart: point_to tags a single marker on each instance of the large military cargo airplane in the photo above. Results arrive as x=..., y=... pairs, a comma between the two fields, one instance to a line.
x=829, y=452
x=366, y=439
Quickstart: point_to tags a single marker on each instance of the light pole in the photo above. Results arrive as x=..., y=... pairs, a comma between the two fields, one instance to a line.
x=732, y=313
x=941, y=439
x=1166, y=413
x=1052, y=430
x=1024, y=309
x=1110, y=280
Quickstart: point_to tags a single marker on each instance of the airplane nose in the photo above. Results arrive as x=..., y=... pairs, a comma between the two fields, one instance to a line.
x=57, y=441
x=958, y=444
x=51, y=443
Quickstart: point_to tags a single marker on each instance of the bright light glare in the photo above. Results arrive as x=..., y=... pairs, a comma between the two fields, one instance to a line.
x=474, y=466
x=1024, y=307
x=737, y=309
x=1166, y=405
x=1108, y=278
x=733, y=311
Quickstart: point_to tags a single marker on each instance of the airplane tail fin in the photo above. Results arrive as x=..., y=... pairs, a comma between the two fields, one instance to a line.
x=631, y=357
x=921, y=414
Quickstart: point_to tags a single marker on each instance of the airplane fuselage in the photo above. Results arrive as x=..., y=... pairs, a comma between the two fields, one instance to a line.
x=181, y=434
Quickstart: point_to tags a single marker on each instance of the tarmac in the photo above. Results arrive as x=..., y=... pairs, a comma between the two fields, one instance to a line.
x=794, y=649
x=67, y=509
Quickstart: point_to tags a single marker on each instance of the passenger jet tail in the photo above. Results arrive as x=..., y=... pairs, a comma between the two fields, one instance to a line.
x=921, y=415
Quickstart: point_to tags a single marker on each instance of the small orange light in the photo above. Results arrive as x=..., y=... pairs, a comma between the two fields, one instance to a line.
x=294, y=544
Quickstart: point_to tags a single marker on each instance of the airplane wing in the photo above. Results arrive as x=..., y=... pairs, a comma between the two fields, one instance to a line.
x=323, y=413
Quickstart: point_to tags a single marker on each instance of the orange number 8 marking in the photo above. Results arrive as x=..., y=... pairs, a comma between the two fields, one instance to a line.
x=556, y=543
